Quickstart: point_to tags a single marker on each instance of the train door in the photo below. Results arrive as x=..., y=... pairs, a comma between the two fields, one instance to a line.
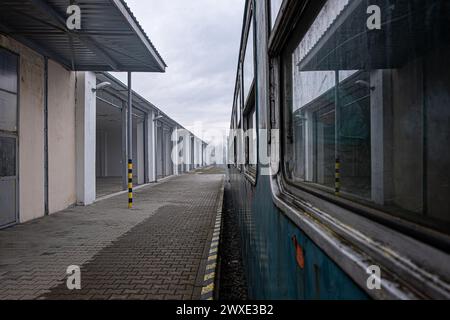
x=8, y=139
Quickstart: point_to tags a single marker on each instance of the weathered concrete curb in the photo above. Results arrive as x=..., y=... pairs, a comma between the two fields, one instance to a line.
x=210, y=275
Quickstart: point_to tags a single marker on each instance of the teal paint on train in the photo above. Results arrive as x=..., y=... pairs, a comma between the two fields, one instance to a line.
x=269, y=253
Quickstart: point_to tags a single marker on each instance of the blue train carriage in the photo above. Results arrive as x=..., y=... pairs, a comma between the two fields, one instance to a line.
x=353, y=201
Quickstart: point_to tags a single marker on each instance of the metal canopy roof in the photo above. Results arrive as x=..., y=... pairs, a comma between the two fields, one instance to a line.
x=110, y=38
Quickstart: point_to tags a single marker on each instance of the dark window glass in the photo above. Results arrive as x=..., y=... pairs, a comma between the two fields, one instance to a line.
x=8, y=111
x=7, y=157
x=8, y=71
x=375, y=104
x=249, y=62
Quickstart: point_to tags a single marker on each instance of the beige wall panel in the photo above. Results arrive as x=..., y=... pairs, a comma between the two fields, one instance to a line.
x=31, y=130
x=61, y=138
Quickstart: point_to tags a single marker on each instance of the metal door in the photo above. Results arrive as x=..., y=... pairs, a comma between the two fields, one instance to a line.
x=8, y=180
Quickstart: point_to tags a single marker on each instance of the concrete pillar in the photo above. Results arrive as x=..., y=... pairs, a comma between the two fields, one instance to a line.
x=85, y=126
x=146, y=149
x=381, y=136
x=124, y=133
x=309, y=143
x=192, y=153
x=165, y=147
x=151, y=156
x=174, y=151
x=197, y=152
x=187, y=151
x=180, y=151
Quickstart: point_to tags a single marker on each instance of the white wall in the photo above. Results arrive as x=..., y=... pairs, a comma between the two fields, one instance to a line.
x=85, y=137
x=61, y=137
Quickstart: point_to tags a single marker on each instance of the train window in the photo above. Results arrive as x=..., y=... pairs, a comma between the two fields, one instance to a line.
x=232, y=138
x=369, y=107
x=252, y=139
x=8, y=91
x=249, y=62
x=248, y=83
x=275, y=6
x=250, y=133
x=238, y=104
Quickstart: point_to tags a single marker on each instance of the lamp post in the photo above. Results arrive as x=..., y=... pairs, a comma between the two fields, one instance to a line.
x=130, y=143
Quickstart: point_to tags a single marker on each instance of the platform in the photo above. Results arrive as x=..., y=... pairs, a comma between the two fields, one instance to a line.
x=158, y=250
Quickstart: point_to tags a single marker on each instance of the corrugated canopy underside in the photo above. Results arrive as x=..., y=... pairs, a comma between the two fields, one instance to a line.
x=110, y=38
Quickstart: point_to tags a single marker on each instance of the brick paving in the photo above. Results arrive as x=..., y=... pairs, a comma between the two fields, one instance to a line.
x=155, y=251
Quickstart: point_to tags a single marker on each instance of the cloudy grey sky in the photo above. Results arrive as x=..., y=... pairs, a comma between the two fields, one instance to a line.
x=199, y=40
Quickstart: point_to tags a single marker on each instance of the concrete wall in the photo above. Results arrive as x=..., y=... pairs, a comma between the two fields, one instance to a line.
x=85, y=132
x=61, y=137
x=31, y=130
x=407, y=100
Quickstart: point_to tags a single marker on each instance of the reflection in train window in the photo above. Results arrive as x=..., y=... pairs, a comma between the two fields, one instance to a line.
x=238, y=106
x=370, y=109
x=275, y=6
x=250, y=135
x=249, y=63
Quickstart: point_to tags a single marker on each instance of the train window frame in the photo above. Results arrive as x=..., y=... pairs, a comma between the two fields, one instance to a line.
x=412, y=225
x=232, y=157
x=248, y=47
x=250, y=135
x=240, y=145
x=416, y=228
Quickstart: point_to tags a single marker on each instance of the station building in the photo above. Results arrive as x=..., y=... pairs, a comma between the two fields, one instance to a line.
x=63, y=117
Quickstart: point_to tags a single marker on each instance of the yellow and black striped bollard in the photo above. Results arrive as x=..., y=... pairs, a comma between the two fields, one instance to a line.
x=130, y=184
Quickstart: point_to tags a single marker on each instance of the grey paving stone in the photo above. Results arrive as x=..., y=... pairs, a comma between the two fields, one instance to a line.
x=153, y=251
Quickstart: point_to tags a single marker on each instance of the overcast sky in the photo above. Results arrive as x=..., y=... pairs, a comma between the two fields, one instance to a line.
x=199, y=41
